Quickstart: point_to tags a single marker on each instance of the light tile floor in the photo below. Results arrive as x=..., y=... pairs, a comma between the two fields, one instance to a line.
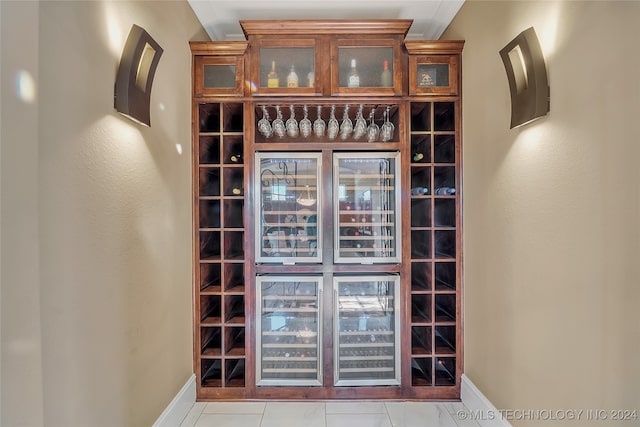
x=327, y=414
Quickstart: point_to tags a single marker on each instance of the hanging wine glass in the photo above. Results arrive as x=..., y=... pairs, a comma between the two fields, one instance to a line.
x=305, y=124
x=292, y=124
x=387, y=128
x=318, y=124
x=346, y=128
x=360, y=127
x=333, y=127
x=278, y=124
x=263, y=124
x=373, y=130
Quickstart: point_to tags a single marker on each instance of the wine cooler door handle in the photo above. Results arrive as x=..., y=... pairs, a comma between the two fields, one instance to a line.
x=336, y=335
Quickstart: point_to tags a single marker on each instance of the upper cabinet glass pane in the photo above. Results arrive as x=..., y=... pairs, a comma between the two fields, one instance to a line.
x=366, y=207
x=287, y=67
x=219, y=76
x=365, y=67
x=433, y=75
x=288, y=223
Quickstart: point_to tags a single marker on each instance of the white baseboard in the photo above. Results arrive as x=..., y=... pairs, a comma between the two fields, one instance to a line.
x=480, y=408
x=180, y=406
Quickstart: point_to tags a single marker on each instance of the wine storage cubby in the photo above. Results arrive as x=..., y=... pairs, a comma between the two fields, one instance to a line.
x=435, y=312
x=219, y=271
x=327, y=213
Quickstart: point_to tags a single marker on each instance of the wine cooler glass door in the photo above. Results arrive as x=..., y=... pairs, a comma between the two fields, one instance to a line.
x=366, y=207
x=287, y=216
x=288, y=325
x=367, y=334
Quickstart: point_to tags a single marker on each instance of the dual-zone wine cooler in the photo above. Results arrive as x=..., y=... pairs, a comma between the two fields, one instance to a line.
x=290, y=338
x=365, y=314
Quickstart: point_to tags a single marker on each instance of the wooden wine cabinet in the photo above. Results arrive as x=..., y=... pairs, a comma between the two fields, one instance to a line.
x=301, y=70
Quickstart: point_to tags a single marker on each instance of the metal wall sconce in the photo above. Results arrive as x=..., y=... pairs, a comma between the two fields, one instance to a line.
x=137, y=67
x=527, y=75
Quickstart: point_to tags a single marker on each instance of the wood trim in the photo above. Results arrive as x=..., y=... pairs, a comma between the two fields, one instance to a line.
x=434, y=47
x=306, y=27
x=234, y=48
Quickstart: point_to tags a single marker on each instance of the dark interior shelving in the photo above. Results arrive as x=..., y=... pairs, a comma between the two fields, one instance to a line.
x=434, y=219
x=421, y=276
x=220, y=218
x=210, y=278
x=209, y=183
x=209, y=150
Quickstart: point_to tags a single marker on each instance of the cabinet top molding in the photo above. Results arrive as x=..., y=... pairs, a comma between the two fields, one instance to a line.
x=426, y=47
x=218, y=48
x=376, y=26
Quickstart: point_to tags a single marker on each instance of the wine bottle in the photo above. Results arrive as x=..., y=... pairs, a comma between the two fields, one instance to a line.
x=353, y=79
x=272, y=77
x=386, y=77
x=419, y=191
x=311, y=79
x=445, y=191
x=292, y=78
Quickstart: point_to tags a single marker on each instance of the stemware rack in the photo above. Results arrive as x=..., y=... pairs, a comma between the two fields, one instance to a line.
x=378, y=114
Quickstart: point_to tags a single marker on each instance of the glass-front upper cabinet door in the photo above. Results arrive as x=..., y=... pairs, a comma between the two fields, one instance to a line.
x=286, y=67
x=288, y=332
x=366, y=66
x=367, y=350
x=288, y=224
x=218, y=68
x=435, y=74
x=366, y=207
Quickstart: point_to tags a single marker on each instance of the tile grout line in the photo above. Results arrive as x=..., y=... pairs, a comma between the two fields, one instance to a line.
x=386, y=409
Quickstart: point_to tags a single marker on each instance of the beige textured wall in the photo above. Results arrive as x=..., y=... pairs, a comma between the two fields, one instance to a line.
x=552, y=211
x=106, y=267
x=20, y=337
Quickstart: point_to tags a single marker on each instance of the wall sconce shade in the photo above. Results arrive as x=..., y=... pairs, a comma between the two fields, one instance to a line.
x=527, y=74
x=137, y=67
